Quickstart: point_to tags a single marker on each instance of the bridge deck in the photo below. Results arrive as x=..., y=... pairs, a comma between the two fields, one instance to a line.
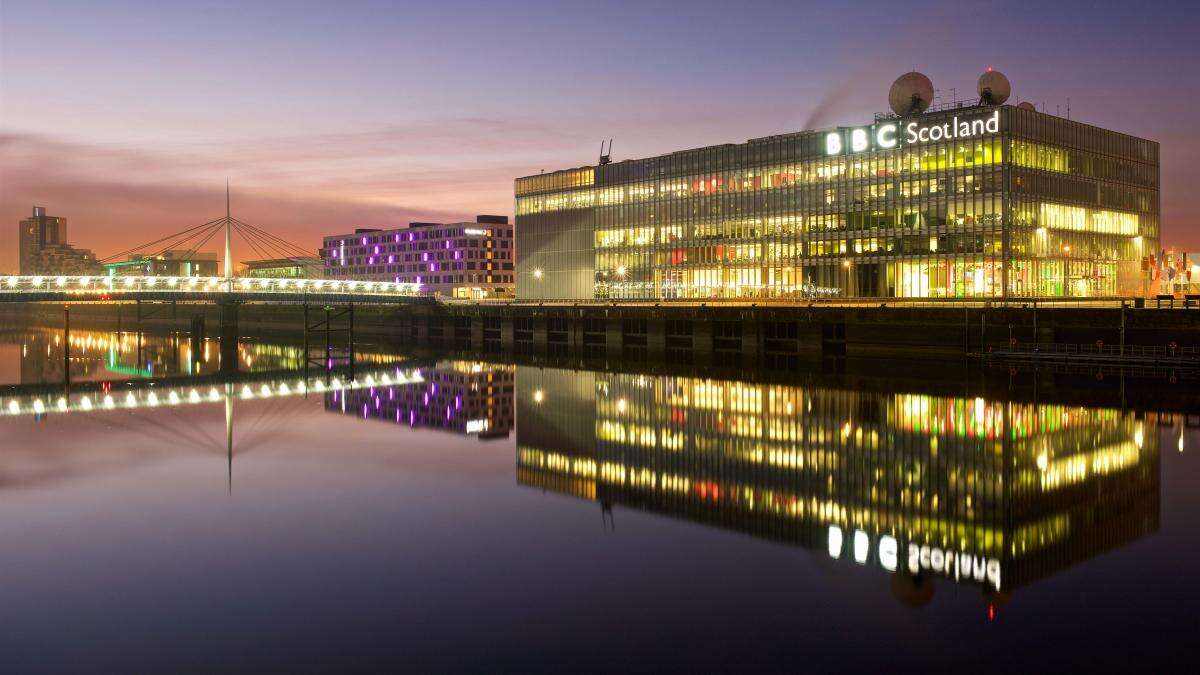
x=204, y=289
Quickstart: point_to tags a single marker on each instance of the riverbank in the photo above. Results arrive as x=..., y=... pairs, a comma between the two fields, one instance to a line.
x=689, y=334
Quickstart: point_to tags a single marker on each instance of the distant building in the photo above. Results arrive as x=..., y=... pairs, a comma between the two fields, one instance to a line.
x=166, y=264
x=43, y=247
x=458, y=260
x=298, y=267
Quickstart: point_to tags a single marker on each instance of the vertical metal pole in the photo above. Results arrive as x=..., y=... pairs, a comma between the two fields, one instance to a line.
x=327, y=337
x=350, y=341
x=1036, y=338
x=1122, y=336
x=306, y=336
x=966, y=330
x=67, y=345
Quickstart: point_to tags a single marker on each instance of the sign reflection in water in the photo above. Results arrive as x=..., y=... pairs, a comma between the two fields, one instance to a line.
x=993, y=493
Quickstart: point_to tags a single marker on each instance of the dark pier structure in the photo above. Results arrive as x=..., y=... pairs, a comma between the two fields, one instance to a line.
x=730, y=335
x=702, y=334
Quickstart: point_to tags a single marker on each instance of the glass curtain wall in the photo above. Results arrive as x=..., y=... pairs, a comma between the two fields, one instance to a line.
x=1028, y=211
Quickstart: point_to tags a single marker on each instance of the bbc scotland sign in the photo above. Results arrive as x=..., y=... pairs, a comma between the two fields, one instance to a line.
x=888, y=135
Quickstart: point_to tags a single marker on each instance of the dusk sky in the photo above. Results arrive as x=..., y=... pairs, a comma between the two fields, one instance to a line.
x=128, y=117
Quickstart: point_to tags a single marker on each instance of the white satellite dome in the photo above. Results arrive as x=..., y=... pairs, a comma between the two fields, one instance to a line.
x=910, y=93
x=994, y=87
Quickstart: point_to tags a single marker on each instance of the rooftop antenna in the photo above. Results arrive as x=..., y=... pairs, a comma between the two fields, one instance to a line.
x=605, y=157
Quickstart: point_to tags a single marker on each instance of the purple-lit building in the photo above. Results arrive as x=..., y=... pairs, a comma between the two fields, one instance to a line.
x=464, y=397
x=453, y=260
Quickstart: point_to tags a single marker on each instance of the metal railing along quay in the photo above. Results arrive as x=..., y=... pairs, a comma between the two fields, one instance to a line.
x=1096, y=353
x=1106, y=302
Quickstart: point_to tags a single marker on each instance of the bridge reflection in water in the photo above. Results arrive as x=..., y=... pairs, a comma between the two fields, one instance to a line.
x=997, y=494
x=466, y=397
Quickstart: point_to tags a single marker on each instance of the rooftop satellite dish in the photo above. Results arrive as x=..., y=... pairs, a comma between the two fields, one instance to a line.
x=994, y=88
x=1026, y=105
x=911, y=93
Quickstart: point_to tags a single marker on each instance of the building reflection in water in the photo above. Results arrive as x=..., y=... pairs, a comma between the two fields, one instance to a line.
x=992, y=493
x=465, y=397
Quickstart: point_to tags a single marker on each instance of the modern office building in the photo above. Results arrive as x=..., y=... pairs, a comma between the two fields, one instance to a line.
x=991, y=493
x=295, y=267
x=167, y=264
x=965, y=200
x=454, y=260
x=43, y=248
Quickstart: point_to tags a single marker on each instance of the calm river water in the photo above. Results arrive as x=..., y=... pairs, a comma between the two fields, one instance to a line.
x=161, y=513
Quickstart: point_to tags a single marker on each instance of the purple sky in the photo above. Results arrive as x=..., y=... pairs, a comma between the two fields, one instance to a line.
x=127, y=117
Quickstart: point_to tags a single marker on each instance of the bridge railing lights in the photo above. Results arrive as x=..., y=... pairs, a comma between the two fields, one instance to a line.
x=108, y=284
x=153, y=396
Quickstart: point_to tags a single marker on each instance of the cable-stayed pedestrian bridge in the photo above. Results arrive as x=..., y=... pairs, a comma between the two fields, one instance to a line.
x=228, y=289
x=202, y=289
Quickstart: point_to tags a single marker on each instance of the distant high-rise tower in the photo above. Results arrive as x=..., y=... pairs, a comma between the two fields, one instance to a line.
x=43, y=247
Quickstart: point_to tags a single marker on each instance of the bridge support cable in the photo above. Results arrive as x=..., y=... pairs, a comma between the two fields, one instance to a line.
x=168, y=241
x=200, y=243
x=252, y=241
x=278, y=245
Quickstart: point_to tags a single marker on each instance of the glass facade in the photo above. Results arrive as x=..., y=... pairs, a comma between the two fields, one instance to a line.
x=987, y=202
